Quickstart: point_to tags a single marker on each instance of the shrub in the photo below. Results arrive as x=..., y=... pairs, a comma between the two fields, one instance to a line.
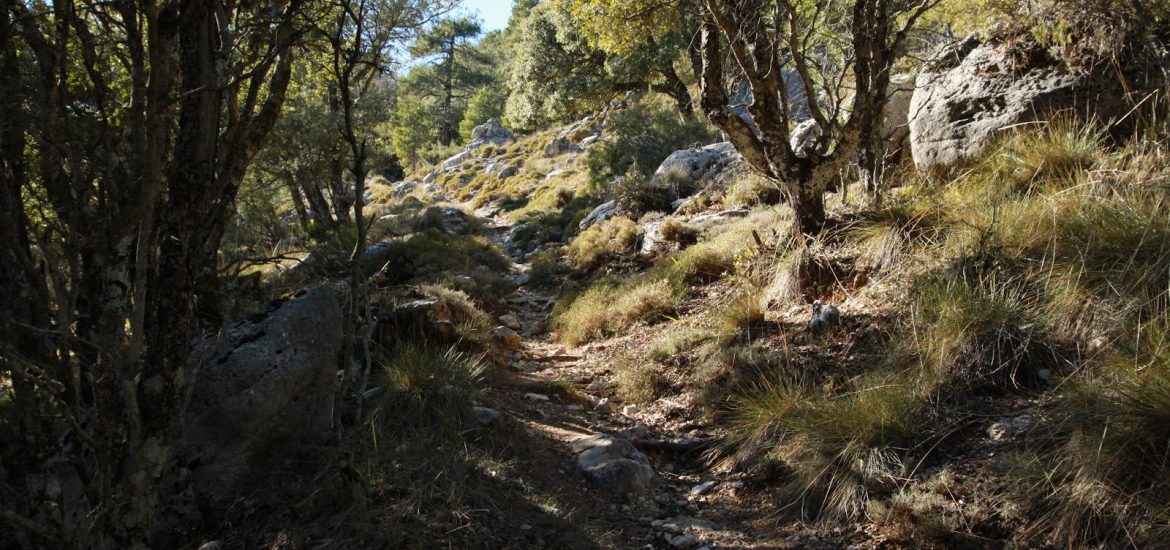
x=634, y=194
x=602, y=242
x=471, y=323
x=679, y=232
x=645, y=135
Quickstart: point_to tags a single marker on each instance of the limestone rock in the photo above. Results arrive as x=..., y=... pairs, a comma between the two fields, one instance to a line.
x=454, y=161
x=491, y=132
x=604, y=211
x=262, y=390
x=973, y=90
x=613, y=464
x=560, y=146
x=697, y=163
x=510, y=321
x=1012, y=427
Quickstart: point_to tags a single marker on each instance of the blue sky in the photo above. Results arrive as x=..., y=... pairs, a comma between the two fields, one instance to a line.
x=493, y=13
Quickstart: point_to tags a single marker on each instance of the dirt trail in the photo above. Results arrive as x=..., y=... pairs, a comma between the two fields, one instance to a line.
x=682, y=501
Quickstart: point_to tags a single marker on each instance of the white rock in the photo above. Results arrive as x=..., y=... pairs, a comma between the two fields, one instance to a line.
x=539, y=397
x=684, y=541
x=704, y=488
x=1012, y=427
x=630, y=410
x=510, y=321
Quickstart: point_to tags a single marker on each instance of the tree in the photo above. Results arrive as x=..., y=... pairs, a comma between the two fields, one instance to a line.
x=556, y=72
x=127, y=129
x=453, y=69
x=762, y=39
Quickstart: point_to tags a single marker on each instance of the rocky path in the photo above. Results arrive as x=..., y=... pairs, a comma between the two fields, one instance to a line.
x=641, y=478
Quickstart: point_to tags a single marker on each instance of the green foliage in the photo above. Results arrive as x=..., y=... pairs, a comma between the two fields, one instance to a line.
x=413, y=128
x=487, y=103
x=644, y=134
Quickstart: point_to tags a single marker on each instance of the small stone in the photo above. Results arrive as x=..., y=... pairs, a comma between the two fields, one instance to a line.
x=212, y=545
x=525, y=527
x=484, y=415
x=603, y=405
x=536, y=397
x=630, y=410
x=574, y=408
x=1012, y=427
x=656, y=523
x=670, y=528
x=684, y=541
x=595, y=386
x=510, y=321
x=703, y=488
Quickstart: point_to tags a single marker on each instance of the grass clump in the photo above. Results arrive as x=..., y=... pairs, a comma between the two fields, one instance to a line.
x=471, y=323
x=840, y=450
x=638, y=380
x=1101, y=478
x=980, y=331
x=608, y=307
x=602, y=242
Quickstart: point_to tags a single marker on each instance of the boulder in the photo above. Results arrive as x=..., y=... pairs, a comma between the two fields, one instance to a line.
x=613, y=464
x=972, y=90
x=697, y=163
x=604, y=211
x=452, y=163
x=560, y=146
x=490, y=133
x=262, y=391
x=402, y=189
x=652, y=238
x=590, y=141
x=431, y=177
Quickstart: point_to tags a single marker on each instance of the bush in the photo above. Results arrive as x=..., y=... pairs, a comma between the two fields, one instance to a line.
x=645, y=135
x=638, y=380
x=635, y=196
x=471, y=323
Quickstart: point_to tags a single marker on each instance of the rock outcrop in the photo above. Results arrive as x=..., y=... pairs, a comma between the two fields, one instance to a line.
x=697, y=163
x=972, y=91
x=490, y=133
x=263, y=390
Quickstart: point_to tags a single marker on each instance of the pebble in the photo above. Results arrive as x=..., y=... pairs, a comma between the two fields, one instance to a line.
x=536, y=397
x=602, y=405
x=484, y=415
x=656, y=523
x=670, y=528
x=574, y=408
x=510, y=321
x=595, y=386
x=630, y=410
x=684, y=541
x=704, y=488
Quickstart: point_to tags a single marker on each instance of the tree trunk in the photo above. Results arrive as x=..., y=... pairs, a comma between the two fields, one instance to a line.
x=808, y=206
